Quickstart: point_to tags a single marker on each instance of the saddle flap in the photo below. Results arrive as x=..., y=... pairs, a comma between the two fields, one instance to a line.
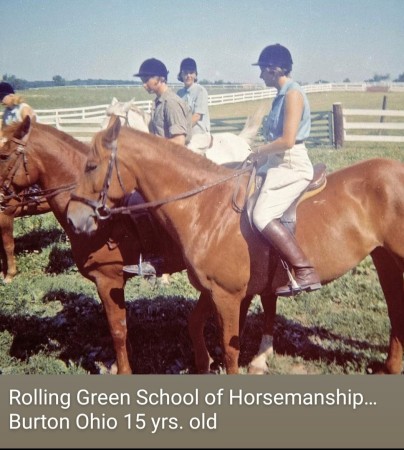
x=316, y=185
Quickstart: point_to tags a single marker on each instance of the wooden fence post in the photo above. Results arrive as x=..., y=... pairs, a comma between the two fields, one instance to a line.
x=383, y=108
x=338, y=125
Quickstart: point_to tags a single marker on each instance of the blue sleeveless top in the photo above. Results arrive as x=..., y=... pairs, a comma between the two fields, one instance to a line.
x=13, y=114
x=273, y=126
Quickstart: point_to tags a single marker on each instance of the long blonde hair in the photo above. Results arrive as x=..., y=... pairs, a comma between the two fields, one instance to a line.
x=16, y=99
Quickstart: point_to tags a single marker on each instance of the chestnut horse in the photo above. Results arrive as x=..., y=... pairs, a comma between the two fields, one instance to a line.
x=13, y=209
x=55, y=159
x=360, y=212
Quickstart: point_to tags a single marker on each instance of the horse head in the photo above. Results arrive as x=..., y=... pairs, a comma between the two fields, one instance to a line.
x=129, y=114
x=13, y=164
x=89, y=196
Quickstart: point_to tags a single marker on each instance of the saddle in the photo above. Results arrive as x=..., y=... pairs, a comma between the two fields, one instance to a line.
x=288, y=218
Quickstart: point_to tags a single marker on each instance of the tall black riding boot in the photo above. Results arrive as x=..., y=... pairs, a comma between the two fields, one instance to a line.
x=285, y=243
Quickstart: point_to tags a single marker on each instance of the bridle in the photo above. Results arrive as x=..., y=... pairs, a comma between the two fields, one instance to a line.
x=7, y=193
x=21, y=158
x=103, y=212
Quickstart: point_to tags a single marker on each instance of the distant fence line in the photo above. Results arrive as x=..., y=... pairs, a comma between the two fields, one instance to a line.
x=327, y=127
x=220, y=99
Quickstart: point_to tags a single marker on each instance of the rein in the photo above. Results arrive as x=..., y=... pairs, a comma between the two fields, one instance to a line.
x=103, y=212
x=41, y=195
x=12, y=168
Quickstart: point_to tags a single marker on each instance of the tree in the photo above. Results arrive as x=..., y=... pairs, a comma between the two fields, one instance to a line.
x=377, y=78
x=400, y=78
x=17, y=83
x=59, y=81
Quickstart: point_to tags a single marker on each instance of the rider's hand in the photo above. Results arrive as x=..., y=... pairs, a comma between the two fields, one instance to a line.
x=257, y=157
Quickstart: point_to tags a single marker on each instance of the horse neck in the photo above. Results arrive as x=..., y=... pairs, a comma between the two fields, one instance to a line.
x=163, y=169
x=58, y=160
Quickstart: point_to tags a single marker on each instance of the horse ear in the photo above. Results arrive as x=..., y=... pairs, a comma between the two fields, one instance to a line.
x=23, y=129
x=114, y=101
x=112, y=131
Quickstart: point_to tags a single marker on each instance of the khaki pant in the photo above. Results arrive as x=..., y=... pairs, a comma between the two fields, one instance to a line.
x=288, y=174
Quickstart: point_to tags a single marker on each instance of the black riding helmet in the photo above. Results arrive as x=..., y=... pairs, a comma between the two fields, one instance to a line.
x=277, y=56
x=5, y=89
x=187, y=64
x=152, y=68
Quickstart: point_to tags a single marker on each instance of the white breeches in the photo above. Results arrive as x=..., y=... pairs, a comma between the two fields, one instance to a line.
x=288, y=174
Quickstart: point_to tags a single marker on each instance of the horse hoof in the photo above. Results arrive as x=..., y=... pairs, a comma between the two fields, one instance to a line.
x=114, y=369
x=105, y=370
x=8, y=279
x=255, y=370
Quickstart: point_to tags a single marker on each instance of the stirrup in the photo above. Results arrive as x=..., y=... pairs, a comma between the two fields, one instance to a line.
x=293, y=288
x=289, y=290
x=143, y=269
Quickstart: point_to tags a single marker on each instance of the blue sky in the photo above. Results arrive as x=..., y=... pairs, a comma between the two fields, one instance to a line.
x=329, y=39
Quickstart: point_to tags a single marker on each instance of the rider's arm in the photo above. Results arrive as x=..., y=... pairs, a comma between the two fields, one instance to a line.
x=294, y=106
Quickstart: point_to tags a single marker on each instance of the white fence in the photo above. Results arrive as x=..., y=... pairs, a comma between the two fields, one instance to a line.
x=83, y=122
x=350, y=127
x=370, y=127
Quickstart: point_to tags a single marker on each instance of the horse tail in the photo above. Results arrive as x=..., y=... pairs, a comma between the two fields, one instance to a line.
x=253, y=124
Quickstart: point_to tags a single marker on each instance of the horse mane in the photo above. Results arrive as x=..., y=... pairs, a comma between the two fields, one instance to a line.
x=194, y=164
x=67, y=138
x=12, y=130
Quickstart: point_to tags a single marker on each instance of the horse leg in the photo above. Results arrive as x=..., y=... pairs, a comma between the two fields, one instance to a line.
x=7, y=230
x=245, y=304
x=228, y=308
x=258, y=365
x=391, y=281
x=111, y=291
x=196, y=325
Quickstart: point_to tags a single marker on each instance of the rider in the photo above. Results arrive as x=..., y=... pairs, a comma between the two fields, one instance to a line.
x=196, y=96
x=16, y=110
x=285, y=159
x=171, y=117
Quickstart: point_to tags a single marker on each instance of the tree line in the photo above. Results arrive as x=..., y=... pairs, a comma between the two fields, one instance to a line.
x=58, y=80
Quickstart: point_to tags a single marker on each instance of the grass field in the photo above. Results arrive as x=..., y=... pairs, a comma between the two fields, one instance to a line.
x=52, y=322
x=73, y=97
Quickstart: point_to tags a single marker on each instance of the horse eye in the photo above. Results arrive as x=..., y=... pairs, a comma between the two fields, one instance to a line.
x=4, y=157
x=90, y=167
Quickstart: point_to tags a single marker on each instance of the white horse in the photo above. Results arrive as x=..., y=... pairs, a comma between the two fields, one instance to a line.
x=226, y=147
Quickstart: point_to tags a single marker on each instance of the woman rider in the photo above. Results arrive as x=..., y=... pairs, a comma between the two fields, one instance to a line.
x=284, y=157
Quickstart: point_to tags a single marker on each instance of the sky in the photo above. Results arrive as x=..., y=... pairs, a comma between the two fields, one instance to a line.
x=329, y=40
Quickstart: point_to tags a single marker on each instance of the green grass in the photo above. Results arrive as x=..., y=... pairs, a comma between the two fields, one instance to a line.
x=70, y=97
x=52, y=321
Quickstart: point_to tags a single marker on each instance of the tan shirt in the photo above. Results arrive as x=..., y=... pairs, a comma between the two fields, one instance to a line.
x=171, y=116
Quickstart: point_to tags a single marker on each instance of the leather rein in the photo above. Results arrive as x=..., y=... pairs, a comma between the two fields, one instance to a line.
x=103, y=212
x=7, y=194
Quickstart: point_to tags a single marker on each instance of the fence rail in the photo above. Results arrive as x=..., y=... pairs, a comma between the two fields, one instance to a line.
x=346, y=130
x=83, y=122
